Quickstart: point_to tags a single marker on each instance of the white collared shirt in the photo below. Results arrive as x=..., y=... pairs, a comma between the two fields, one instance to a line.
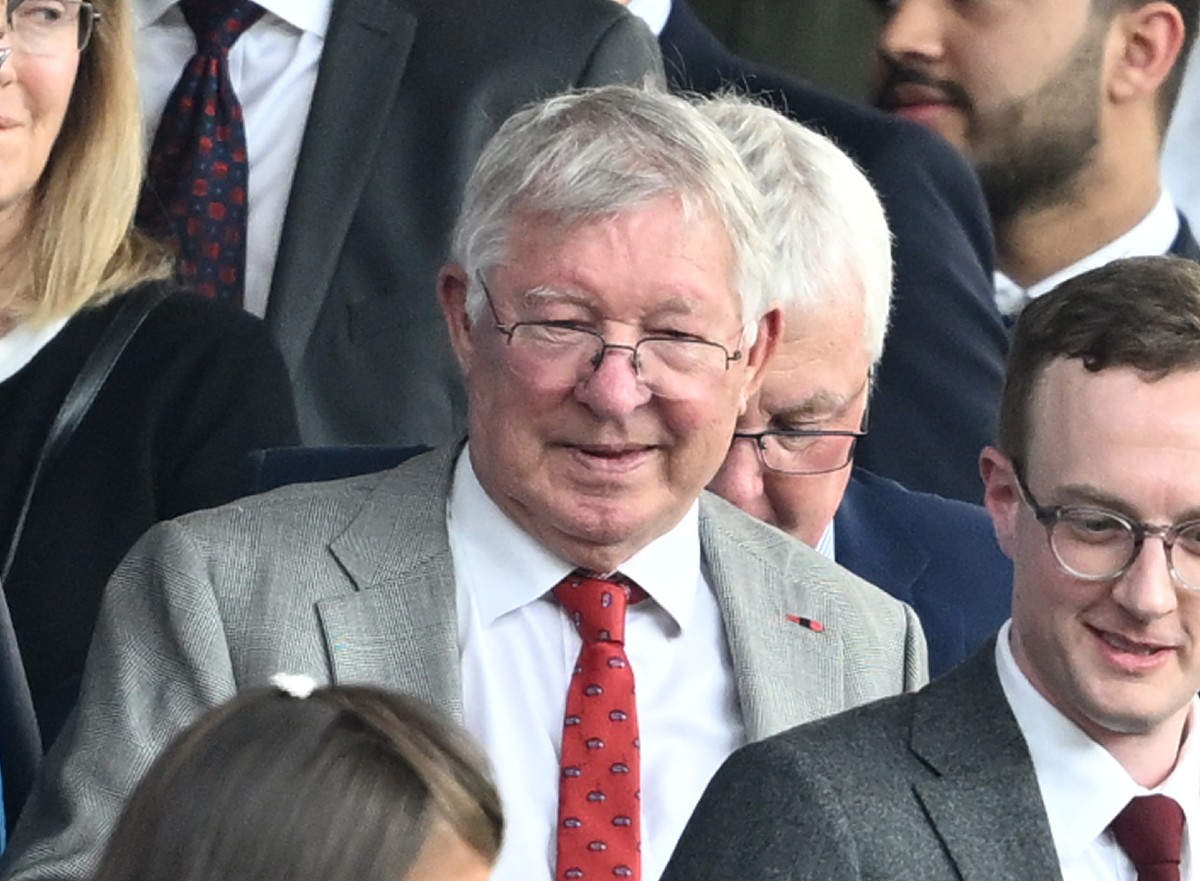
x=827, y=544
x=518, y=650
x=653, y=12
x=21, y=344
x=1152, y=236
x=1084, y=788
x=273, y=68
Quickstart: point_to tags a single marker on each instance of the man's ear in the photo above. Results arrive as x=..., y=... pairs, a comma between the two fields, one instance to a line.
x=452, y=286
x=1148, y=42
x=758, y=357
x=1001, y=495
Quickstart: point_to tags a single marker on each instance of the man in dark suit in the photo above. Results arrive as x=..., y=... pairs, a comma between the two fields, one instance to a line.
x=363, y=120
x=934, y=404
x=1061, y=107
x=790, y=460
x=1068, y=747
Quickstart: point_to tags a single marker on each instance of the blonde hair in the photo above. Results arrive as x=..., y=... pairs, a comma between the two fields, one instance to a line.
x=82, y=248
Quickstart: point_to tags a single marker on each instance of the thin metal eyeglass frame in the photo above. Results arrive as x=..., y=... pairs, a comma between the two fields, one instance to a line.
x=758, y=437
x=509, y=329
x=85, y=25
x=1049, y=515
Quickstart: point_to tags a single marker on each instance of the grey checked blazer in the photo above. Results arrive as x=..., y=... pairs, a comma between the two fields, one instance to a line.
x=352, y=581
x=936, y=786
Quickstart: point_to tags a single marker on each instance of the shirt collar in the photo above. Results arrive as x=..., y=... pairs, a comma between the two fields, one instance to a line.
x=305, y=15
x=653, y=12
x=668, y=568
x=827, y=544
x=1151, y=236
x=1082, y=785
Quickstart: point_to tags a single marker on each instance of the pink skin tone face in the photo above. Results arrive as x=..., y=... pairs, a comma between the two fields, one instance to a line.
x=816, y=380
x=35, y=92
x=1119, y=658
x=597, y=470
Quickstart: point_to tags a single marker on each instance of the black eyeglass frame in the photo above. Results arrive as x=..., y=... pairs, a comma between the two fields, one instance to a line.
x=86, y=22
x=1049, y=516
x=509, y=329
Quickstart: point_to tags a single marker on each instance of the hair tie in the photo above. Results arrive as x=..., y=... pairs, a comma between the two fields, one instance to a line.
x=296, y=685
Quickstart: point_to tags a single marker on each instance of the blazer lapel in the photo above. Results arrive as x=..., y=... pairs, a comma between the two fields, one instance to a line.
x=786, y=673
x=986, y=779
x=400, y=627
x=362, y=63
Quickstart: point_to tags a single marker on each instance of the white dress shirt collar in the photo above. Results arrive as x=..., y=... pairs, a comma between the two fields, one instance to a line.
x=305, y=15
x=827, y=544
x=494, y=543
x=653, y=12
x=1152, y=236
x=1083, y=786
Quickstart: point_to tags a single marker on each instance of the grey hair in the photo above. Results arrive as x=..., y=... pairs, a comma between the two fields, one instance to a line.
x=592, y=154
x=826, y=226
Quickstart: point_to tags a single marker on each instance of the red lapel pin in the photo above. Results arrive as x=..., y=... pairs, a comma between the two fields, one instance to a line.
x=814, y=626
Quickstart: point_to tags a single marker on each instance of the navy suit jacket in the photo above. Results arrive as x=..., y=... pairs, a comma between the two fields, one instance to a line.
x=938, y=386
x=1185, y=244
x=939, y=556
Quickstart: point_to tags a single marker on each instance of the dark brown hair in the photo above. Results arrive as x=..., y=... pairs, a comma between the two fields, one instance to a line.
x=346, y=784
x=1142, y=312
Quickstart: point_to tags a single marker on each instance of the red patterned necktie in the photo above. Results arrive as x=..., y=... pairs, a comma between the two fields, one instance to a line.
x=195, y=192
x=1150, y=831
x=599, y=814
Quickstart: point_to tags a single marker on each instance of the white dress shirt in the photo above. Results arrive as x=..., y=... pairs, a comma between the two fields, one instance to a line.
x=1152, y=236
x=1180, y=170
x=518, y=649
x=273, y=68
x=653, y=12
x=21, y=344
x=1084, y=788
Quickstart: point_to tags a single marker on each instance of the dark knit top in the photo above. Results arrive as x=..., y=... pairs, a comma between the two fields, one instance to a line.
x=197, y=388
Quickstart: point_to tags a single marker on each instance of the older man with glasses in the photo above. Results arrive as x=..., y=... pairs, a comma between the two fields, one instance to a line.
x=609, y=306
x=789, y=463
x=1067, y=748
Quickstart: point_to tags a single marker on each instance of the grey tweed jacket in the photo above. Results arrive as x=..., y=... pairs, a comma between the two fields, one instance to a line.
x=352, y=581
x=936, y=786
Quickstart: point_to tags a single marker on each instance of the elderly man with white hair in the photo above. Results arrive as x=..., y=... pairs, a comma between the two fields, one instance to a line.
x=790, y=460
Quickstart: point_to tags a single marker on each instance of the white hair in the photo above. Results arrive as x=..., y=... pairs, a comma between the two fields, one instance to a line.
x=589, y=155
x=828, y=233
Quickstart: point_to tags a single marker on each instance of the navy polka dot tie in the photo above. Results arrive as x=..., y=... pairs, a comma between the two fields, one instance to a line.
x=1150, y=831
x=195, y=193
x=599, y=812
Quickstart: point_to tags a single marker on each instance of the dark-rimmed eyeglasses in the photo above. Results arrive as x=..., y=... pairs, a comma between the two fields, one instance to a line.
x=807, y=450
x=1097, y=544
x=49, y=27
x=561, y=354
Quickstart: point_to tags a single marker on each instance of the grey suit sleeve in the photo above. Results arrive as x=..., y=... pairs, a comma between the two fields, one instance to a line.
x=625, y=53
x=916, y=652
x=761, y=818
x=158, y=660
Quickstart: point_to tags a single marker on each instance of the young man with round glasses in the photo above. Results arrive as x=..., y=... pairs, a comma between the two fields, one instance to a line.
x=789, y=463
x=1068, y=748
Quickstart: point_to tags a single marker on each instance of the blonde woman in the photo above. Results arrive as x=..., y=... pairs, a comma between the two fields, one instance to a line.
x=196, y=388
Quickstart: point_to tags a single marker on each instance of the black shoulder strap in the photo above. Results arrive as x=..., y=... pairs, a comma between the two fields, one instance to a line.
x=20, y=740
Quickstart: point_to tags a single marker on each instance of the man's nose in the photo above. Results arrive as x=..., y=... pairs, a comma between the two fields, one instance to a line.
x=614, y=389
x=740, y=479
x=913, y=29
x=1147, y=590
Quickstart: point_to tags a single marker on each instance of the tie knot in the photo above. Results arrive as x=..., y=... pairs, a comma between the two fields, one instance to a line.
x=596, y=605
x=217, y=24
x=1150, y=831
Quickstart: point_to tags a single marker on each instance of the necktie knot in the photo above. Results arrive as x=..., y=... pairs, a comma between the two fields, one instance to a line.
x=1150, y=831
x=596, y=605
x=217, y=24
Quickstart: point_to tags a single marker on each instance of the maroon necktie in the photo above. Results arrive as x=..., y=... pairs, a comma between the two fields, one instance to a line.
x=195, y=193
x=1150, y=831
x=599, y=816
